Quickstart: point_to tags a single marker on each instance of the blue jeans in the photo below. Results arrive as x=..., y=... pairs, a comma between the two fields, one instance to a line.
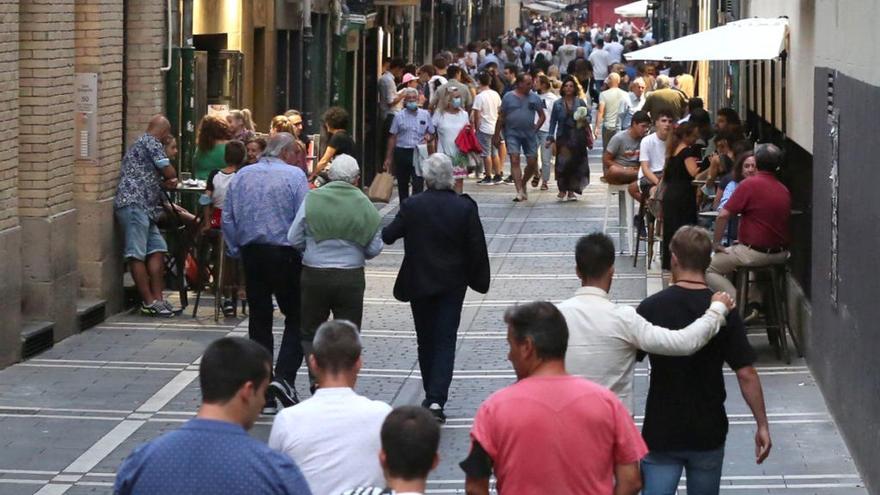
x=546, y=155
x=661, y=471
x=142, y=236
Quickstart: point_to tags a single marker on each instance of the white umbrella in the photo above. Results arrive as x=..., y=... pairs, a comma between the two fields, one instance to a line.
x=747, y=39
x=635, y=9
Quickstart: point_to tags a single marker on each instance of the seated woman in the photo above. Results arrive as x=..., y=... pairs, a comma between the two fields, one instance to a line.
x=211, y=146
x=339, y=142
x=744, y=168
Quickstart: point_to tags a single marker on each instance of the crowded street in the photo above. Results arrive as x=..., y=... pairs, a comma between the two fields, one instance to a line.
x=357, y=247
x=143, y=373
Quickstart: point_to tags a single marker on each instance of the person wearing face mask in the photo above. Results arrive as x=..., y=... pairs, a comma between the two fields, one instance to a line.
x=410, y=128
x=449, y=122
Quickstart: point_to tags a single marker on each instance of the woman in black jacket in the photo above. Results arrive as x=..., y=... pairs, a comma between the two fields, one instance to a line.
x=444, y=253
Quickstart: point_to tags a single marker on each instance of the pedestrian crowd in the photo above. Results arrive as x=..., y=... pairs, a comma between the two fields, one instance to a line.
x=297, y=227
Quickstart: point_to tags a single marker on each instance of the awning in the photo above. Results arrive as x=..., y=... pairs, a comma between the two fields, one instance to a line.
x=747, y=39
x=635, y=9
x=545, y=6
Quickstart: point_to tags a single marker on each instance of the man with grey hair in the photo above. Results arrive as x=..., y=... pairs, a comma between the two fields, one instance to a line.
x=337, y=230
x=334, y=437
x=665, y=98
x=764, y=206
x=444, y=254
x=261, y=203
x=410, y=128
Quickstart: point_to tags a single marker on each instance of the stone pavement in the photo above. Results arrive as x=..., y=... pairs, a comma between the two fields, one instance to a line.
x=69, y=416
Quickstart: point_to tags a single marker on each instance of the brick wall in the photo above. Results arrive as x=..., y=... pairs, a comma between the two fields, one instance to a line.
x=45, y=176
x=146, y=32
x=99, y=38
x=9, y=109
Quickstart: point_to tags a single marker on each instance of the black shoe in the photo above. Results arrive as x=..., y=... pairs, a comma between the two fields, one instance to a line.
x=271, y=407
x=283, y=392
x=509, y=179
x=437, y=412
x=485, y=181
x=498, y=179
x=228, y=308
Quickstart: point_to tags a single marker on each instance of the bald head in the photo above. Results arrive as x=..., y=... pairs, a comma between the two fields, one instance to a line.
x=159, y=127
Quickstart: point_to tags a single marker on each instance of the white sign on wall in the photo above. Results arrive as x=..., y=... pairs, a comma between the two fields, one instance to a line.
x=86, y=115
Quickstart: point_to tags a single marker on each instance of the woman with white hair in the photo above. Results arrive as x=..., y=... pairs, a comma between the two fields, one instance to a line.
x=448, y=122
x=444, y=253
x=337, y=230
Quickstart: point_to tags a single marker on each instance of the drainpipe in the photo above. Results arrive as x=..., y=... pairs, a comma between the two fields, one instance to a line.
x=169, y=16
x=307, y=37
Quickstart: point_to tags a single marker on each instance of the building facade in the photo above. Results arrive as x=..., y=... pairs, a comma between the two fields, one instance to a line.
x=80, y=78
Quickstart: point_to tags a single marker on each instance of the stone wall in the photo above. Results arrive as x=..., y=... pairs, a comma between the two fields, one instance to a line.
x=146, y=32
x=10, y=231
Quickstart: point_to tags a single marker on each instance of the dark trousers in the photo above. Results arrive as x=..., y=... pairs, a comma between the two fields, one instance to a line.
x=326, y=290
x=404, y=172
x=437, y=318
x=274, y=270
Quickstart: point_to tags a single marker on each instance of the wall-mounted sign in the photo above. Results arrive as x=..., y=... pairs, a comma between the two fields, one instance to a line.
x=86, y=115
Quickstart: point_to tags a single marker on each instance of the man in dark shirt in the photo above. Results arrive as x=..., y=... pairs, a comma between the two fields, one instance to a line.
x=212, y=453
x=764, y=204
x=685, y=420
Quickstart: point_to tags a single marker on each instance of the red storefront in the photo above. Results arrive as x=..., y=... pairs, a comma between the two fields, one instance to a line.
x=602, y=12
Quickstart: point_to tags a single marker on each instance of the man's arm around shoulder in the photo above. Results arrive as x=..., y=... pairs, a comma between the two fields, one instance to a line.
x=659, y=340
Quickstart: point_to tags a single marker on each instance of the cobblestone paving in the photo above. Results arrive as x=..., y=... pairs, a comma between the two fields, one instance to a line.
x=69, y=416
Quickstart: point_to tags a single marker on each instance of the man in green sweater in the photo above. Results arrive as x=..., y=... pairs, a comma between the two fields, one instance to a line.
x=337, y=231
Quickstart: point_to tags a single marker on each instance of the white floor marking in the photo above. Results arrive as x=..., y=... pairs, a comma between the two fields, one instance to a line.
x=168, y=392
x=103, y=447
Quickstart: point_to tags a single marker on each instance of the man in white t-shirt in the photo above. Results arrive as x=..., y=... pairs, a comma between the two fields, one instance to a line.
x=484, y=114
x=608, y=116
x=334, y=436
x=566, y=53
x=601, y=60
x=652, y=153
x=614, y=49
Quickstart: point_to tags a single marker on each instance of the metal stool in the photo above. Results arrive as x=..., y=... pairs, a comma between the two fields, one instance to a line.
x=779, y=330
x=625, y=222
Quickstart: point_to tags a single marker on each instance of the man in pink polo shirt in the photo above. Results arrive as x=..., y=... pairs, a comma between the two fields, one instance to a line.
x=551, y=432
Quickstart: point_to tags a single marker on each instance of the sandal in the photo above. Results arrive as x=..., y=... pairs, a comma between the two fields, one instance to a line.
x=544, y=186
x=535, y=181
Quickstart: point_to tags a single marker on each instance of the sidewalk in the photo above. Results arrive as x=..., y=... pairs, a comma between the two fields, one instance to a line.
x=69, y=416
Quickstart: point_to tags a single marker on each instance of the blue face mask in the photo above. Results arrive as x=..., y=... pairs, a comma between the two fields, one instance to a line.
x=456, y=102
x=411, y=105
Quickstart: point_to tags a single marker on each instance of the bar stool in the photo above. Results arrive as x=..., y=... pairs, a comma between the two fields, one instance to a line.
x=625, y=212
x=778, y=304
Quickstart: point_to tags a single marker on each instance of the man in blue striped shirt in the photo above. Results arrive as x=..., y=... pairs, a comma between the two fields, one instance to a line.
x=409, y=129
x=261, y=203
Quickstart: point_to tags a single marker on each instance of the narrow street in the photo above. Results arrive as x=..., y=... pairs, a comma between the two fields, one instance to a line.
x=69, y=416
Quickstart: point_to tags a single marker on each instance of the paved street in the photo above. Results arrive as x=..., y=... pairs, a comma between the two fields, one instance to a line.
x=69, y=416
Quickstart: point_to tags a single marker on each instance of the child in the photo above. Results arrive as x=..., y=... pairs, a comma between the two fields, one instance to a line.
x=215, y=195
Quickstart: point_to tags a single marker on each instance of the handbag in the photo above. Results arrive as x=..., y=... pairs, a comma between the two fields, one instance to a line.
x=381, y=188
x=467, y=141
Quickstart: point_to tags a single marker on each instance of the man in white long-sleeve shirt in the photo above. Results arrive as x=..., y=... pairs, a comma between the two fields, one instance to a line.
x=604, y=337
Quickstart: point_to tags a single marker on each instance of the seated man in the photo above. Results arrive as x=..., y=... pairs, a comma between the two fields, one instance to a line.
x=604, y=337
x=764, y=204
x=410, y=438
x=213, y=453
x=620, y=160
x=333, y=436
x=652, y=153
x=551, y=432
